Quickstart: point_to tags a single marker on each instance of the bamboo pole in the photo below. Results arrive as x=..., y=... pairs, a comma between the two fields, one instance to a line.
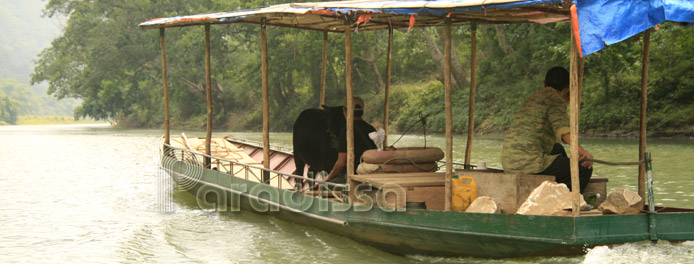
x=167, y=116
x=580, y=78
x=324, y=70
x=643, y=120
x=266, y=100
x=449, y=112
x=350, y=113
x=575, y=105
x=208, y=91
x=386, y=105
x=473, y=87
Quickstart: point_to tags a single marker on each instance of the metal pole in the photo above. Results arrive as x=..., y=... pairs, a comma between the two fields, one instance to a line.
x=386, y=105
x=449, y=112
x=573, y=119
x=473, y=85
x=651, y=199
x=208, y=91
x=167, y=116
x=649, y=172
x=324, y=70
x=350, y=112
x=643, y=120
x=266, y=100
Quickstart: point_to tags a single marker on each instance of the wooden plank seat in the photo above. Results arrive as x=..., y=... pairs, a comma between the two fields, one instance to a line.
x=402, y=179
x=425, y=187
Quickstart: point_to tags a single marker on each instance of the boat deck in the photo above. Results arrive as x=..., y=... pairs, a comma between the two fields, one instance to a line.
x=242, y=165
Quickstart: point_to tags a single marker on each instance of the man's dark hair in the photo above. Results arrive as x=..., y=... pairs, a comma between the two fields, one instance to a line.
x=557, y=78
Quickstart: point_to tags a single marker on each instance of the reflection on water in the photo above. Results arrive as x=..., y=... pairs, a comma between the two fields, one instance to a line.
x=89, y=193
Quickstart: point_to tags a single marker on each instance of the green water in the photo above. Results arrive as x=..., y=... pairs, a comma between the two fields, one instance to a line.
x=90, y=193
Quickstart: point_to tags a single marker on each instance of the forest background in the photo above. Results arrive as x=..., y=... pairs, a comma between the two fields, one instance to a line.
x=114, y=69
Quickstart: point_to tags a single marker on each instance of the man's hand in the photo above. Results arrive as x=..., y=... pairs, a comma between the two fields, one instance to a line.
x=582, y=154
x=337, y=168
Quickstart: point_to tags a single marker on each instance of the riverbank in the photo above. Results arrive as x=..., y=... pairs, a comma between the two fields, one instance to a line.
x=677, y=134
x=53, y=120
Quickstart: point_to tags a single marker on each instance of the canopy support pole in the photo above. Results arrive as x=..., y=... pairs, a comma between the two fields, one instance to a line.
x=386, y=104
x=208, y=92
x=324, y=70
x=350, y=113
x=643, y=120
x=449, y=112
x=473, y=87
x=575, y=104
x=167, y=116
x=266, y=100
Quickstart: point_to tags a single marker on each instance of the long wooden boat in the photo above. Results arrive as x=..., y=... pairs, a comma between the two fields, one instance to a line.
x=416, y=231
x=260, y=184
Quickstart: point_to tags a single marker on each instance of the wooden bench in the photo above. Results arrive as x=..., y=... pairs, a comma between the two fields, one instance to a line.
x=509, y=190
x=425, y=187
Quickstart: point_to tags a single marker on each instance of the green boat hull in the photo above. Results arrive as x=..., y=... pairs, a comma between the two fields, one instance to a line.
x=439, y=233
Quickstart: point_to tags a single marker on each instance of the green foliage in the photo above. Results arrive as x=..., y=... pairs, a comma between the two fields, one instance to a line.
x=115, y=68
x=29, y=102
x=9, y=109
x=612, y=93
x=22, y=95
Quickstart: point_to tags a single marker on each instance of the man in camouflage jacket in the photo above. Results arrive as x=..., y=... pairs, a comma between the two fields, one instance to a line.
x=532, y=144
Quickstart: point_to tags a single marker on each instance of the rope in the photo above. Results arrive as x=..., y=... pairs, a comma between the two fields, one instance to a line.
x=615, y=163
x=423, y=120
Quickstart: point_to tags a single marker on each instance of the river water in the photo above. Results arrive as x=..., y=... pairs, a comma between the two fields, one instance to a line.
x=92, y=193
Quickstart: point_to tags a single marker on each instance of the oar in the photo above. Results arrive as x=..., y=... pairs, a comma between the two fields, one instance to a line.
x=614, y=163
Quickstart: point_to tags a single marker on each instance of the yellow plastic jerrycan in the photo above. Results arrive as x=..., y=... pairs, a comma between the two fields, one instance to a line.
x=464, y=192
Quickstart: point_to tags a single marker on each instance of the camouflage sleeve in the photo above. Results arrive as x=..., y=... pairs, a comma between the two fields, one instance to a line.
x=558, y=117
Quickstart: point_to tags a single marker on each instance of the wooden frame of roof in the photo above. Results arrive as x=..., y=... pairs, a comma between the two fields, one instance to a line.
x=378, y=15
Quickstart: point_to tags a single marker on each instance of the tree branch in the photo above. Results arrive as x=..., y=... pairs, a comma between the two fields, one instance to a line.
x=503, y=42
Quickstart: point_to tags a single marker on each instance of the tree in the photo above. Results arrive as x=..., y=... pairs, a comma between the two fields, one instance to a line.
x=103, y=59
x=8, y=110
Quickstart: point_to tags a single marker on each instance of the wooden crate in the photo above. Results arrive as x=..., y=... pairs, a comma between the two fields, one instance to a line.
x=507, y=189
x=597, y=184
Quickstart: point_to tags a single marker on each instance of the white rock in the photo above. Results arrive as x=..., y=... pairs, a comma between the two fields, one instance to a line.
x=483, y=204
x=550, y=198
x=621, y=201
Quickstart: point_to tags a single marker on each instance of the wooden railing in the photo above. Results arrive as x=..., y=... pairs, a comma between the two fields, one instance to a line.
x=250, y=172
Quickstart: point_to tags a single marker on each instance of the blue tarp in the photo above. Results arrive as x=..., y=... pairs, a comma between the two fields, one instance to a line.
x=610, y=21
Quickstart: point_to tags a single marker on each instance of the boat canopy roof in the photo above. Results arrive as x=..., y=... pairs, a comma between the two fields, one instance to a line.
x=600, y=22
